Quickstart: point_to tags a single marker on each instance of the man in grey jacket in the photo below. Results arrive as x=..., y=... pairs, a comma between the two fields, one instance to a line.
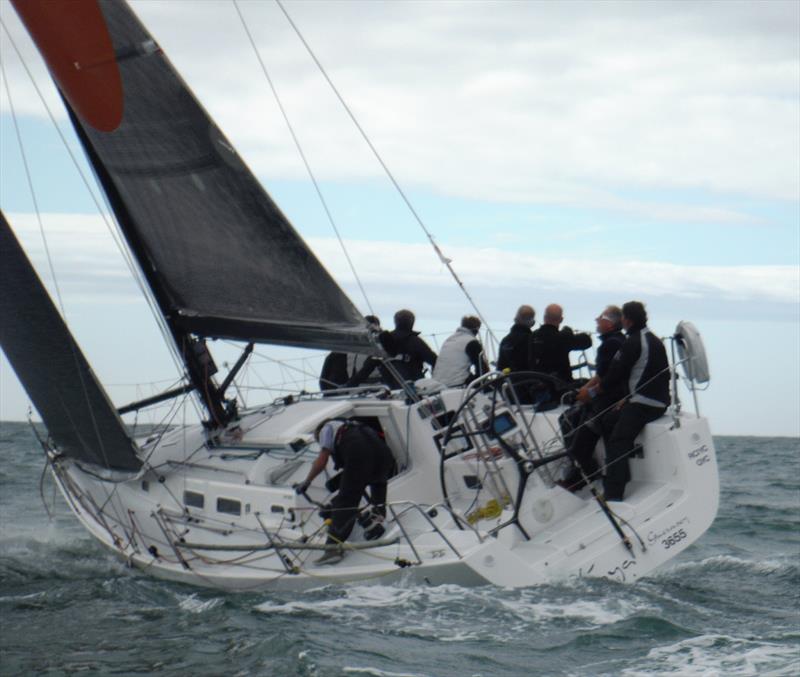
x=459, y=352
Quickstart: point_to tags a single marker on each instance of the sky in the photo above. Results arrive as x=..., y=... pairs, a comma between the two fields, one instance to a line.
x=579, y=153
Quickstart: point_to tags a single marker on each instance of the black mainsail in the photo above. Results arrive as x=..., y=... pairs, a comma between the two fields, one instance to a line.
x=220, y=257
x=76, y=410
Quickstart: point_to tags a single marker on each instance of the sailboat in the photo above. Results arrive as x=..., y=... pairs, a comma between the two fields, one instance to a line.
x=473, y=500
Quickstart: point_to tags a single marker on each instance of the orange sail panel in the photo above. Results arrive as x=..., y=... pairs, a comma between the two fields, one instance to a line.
x=73, y=39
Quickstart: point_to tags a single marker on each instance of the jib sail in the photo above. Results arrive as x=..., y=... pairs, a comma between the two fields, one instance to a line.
x=73, y=405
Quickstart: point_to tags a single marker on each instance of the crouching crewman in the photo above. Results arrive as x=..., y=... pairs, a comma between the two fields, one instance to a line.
x=365, y=461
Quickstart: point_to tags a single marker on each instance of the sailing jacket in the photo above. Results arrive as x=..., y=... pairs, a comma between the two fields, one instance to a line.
x=357, y=447
x=610, y=343
x=334, y=371
x=641, y=364
x=551, y=349
x=459, y=352
x=515, y=349
x=409, y=352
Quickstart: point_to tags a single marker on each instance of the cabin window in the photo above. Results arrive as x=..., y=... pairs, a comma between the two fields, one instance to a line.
x=279, y=509
x=193, y=500
x=229, y=506
x=145, y=485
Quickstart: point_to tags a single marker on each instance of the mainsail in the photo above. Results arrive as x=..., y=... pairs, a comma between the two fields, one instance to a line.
x=73, y=405
x=220, y=257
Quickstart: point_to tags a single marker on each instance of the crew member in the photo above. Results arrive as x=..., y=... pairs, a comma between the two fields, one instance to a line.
x=459, y=352
x=552, y=346
x=582, y=440
x=365, y=461
x=409, y=351
x=334, y=371
x=640, y=364
x=516, y=352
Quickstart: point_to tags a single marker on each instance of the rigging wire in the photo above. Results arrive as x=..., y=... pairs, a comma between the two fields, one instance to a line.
x=29, y=180
x=303, y=156
x=104, y=214
x=72, y=345
x=442, y=258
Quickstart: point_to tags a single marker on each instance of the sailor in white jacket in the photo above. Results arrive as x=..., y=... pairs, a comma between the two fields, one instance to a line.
x=459, y=353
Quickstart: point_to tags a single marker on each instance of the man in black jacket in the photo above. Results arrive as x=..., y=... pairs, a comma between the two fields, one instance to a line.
x=515, y=348
x=641, y=365
x=365, y=461
x=583, y=440
x=551, y=346
x=409, y=351
x=334, y=371
x=516, y=351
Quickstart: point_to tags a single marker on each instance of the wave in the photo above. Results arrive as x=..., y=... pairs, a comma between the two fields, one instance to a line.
x=451, y=613
x=728, y=563
x=193, y=604
x=53, y=554
x=379, y=673
x=714, y=654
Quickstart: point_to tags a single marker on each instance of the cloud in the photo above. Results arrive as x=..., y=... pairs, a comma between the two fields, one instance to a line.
x=407, y=264
x=577, y=104
x=85, y=260
x=88, y=263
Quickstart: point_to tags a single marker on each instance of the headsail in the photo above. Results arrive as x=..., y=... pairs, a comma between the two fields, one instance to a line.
x=221, y=258
x=73, y=405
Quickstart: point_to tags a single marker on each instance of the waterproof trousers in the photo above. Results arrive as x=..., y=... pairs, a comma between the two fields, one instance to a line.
x=582, y=427
x=625, y=424
x=366, y=462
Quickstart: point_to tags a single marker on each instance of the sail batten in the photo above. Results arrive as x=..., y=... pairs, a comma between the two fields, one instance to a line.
x=220, y=256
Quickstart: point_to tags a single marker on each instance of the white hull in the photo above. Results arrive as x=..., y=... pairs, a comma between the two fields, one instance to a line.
x=273, y=542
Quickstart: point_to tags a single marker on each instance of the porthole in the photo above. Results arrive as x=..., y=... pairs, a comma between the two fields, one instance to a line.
x=229, y=506
x=193, y=500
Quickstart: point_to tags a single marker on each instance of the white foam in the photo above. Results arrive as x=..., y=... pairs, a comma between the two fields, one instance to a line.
x=719, y=656
x=447, y=612
x=354, y=598
x=380, y=673
x=20, y=598
x=193, y=605
x=596, y=613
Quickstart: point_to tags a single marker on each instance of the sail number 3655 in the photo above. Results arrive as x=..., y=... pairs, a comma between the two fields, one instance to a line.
x=673, y=539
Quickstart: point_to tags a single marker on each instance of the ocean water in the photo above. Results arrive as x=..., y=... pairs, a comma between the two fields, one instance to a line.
x=729, y=605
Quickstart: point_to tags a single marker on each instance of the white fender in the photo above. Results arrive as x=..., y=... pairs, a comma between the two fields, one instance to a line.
x=692, y=352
